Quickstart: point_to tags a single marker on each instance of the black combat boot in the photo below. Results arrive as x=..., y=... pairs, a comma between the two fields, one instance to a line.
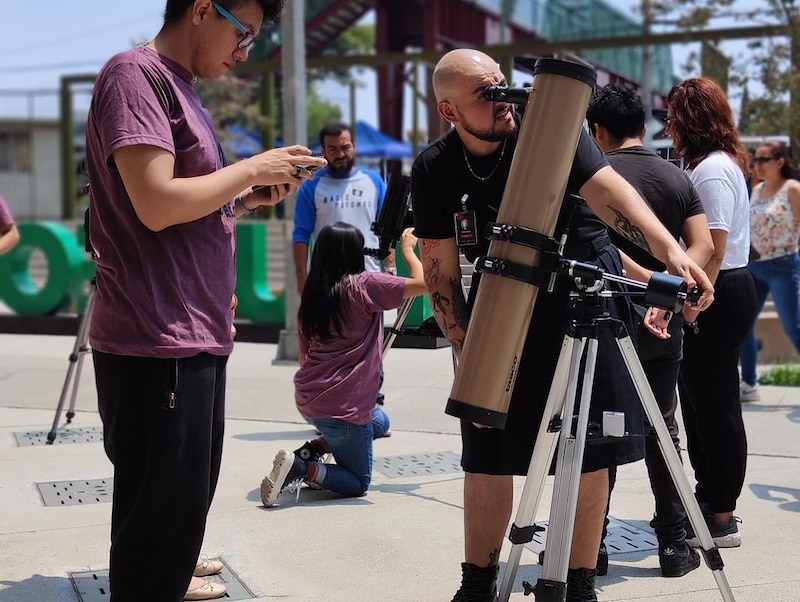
x=580, y=585
x=478, y=584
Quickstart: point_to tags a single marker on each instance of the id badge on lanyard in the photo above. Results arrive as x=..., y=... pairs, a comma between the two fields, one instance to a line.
x=466, y=225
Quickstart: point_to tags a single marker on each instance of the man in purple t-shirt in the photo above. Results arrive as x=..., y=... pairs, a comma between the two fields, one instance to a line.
x=162, y=215
x=9, y=234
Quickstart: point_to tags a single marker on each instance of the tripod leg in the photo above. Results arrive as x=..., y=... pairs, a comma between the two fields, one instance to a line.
x=523, y=528
x=710, y=551
x=83, y=338
x=75, y=365
x=553, y=583
x=402, y=314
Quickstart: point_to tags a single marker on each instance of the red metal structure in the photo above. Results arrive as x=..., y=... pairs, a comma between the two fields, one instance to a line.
x=404, y=24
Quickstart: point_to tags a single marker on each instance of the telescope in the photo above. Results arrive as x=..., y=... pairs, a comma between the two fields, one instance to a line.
x=392, y=219
x=532, y=199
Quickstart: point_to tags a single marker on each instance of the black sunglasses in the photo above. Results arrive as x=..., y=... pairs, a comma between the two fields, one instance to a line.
x=760, y=160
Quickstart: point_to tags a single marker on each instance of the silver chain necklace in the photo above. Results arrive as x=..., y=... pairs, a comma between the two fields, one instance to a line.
x=469, y=167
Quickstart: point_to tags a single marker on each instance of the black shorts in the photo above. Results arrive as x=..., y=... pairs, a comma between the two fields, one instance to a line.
x=508, y=451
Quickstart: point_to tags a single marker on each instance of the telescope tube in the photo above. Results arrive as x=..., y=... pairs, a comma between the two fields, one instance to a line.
x=532, y=198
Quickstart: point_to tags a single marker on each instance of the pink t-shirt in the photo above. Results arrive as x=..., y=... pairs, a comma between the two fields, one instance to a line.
x=341, y=377
x=159, y=294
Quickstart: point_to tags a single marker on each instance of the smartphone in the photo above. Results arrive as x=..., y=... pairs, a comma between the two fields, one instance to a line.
x=313, y=168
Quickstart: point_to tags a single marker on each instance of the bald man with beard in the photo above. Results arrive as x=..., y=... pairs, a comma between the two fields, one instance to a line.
x=466, y=170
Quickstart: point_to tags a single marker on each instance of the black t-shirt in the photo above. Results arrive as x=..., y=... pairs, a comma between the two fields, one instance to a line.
x=665, y=187
x=440, y=178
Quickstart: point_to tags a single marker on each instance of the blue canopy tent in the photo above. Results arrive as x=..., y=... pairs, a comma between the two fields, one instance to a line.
x=242, y=142
x=370, y=143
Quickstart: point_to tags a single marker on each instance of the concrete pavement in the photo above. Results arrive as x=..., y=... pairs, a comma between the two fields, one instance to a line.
x=403, y=541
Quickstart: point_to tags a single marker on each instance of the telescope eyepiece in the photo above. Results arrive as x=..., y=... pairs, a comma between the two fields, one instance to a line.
x=517, y=96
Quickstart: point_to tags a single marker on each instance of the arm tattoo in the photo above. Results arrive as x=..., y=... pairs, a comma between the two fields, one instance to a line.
x=432, y=271
x=452, y=313
x=460, y=311
x=624, y=226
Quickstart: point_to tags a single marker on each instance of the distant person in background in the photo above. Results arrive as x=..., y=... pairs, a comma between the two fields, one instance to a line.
x=9, y=234
x=774, y=232
x=340, y=330
x=341, y=192
x=700, y=121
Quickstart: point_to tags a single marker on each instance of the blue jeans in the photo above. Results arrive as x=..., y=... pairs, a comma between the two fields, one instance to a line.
x=351, y=446
x=781, y=277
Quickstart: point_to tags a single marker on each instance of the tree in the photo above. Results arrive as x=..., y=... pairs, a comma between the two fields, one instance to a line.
x=768, y=69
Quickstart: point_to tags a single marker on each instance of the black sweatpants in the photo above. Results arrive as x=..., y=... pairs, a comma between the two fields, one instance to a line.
x=709, y=390
x=661, y=361
x=163, y=422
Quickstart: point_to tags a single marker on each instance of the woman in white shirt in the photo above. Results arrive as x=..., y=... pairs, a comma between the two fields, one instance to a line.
x=700, y=121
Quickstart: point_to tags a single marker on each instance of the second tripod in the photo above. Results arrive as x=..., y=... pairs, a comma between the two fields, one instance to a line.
x=73, y=377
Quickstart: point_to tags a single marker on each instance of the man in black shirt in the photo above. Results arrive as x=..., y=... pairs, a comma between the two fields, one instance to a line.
x=467, y=169
x=616, y=120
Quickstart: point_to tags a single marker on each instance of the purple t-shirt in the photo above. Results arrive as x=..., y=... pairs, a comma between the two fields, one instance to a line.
x=341, y=377
x=159, y=294
x=6, y=219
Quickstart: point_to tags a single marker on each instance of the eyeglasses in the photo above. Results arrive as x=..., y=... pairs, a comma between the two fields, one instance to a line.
x=762, y=160
x=248, y=37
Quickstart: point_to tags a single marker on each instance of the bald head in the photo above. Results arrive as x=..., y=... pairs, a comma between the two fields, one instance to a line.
x=458, y=67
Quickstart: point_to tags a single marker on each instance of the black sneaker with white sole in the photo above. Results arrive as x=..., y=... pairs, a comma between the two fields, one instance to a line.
x=725, y=535
x=677, y=559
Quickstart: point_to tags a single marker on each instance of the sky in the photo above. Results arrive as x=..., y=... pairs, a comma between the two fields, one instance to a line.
x=41, y=40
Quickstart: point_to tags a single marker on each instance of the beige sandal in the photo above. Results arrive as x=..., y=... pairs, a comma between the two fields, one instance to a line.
x=204, y=568
x=208, y=591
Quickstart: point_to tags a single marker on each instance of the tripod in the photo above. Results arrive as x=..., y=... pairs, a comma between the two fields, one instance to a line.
x=588, y=305
x=72, y=380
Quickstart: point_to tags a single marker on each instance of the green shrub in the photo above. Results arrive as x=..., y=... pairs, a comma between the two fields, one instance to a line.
x=787, y=375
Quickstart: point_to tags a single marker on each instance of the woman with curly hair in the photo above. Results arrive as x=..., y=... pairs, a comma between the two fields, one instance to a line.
x=701, y=123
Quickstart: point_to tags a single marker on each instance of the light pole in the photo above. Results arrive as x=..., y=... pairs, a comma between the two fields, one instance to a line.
x=295, y=131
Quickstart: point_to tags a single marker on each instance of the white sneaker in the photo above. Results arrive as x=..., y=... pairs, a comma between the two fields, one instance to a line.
x=748, y=392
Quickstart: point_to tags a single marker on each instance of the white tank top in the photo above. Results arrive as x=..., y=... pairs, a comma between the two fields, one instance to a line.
x=774, y=228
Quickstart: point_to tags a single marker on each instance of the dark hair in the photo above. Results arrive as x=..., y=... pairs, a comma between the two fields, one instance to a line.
x=702, y=122
x=619, y=110
x=334, y=128
x=338, y=253
x=177, y=8
x=780, y=150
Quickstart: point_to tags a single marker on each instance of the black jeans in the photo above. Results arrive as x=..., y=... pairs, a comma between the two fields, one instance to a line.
x=660, y=361
x=163, y=422
x=709, y=390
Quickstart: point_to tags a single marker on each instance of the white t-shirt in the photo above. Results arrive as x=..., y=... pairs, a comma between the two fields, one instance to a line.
x=722, y=188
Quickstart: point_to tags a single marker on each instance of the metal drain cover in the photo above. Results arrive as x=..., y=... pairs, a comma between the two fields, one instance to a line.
x=416, y=465
x=76, y=493
x=92, y=586
x=86, y=434
x=622, y=538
